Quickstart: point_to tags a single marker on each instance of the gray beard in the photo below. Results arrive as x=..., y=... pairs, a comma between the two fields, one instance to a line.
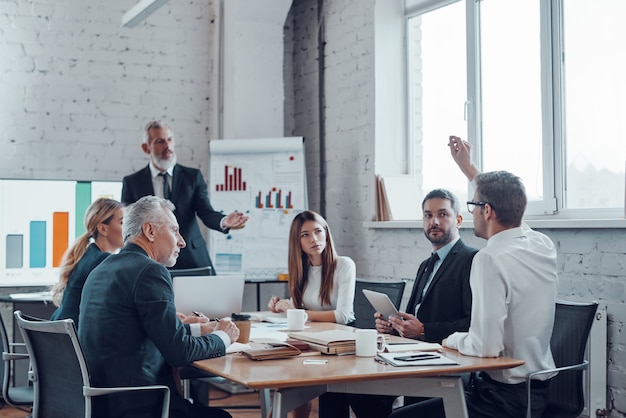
x=165, y=164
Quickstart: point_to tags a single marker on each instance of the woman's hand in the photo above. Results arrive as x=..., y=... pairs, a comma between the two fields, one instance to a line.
x=278, y=305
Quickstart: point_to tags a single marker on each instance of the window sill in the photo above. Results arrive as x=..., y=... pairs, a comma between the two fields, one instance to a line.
x=615, y=223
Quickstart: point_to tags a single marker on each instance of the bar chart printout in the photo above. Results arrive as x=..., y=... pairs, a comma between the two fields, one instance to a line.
x=266, y=179
x=233, y=180
x=39, y=219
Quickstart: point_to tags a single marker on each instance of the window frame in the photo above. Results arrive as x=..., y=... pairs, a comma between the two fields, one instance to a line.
x=553, y=204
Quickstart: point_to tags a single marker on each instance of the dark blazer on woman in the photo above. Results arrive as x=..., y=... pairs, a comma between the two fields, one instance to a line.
x=447, y=304
x=131, y=335
x=190, y=196
x=76, y=280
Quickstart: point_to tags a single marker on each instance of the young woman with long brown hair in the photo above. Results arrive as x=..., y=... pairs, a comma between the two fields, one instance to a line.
x=320, y=281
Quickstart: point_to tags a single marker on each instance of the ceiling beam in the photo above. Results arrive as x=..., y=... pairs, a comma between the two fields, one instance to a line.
x=140, y=11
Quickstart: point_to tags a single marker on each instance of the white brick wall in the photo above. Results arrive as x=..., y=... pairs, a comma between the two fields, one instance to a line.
x=76, y=88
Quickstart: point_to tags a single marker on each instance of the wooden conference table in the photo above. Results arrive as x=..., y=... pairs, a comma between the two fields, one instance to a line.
x=296, y=382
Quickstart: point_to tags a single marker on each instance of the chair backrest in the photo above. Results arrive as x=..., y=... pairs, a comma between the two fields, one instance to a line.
x=5, y=370
x=572, y=324
x=363, y=310
x=59, y=371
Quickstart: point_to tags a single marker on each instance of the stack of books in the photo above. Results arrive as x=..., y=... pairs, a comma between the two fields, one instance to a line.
x=333, y=341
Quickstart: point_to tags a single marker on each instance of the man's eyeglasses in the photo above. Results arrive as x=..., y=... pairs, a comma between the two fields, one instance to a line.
x=471, y=205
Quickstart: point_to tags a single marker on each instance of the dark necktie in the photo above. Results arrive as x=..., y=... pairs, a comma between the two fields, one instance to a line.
x=425, y=276
x=166, y=187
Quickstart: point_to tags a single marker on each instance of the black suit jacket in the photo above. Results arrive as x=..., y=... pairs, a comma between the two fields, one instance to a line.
x=130, y=333
x=190, y=196
x=447, y=304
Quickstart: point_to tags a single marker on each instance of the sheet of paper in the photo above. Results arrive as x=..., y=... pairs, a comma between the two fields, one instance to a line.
x=268, y=330
x=237, y=347
x=392, y=347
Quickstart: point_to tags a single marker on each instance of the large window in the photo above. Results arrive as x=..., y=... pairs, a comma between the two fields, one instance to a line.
x=594, y=103
x=544, y=98
x=437, y=90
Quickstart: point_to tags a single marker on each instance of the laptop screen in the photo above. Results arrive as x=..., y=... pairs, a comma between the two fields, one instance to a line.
x=214, y=296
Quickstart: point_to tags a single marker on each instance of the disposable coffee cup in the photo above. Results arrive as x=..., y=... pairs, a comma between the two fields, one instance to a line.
x=243, y=323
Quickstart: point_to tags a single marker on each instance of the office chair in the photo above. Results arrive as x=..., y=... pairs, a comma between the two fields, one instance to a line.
x=363, y=310
x=20, y=397
x=572, y=324
x=59, y=371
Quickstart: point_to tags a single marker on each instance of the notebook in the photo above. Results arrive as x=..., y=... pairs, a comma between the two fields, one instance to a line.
x=415, y=358
x=328, y=341
x=213, y=296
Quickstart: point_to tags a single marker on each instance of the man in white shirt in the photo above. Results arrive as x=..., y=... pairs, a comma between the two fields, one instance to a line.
x=514, y=287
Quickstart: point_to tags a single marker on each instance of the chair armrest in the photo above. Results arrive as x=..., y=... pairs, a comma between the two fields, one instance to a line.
x=580, y=366
x=14, y=356
x=17, y=345
x=91, y=392
x=530, y=376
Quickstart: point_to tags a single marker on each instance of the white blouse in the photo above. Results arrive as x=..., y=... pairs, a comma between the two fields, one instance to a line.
x=342, y=295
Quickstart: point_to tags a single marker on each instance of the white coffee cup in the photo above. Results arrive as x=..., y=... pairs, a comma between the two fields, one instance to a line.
x=296, y=319
x=368, y=342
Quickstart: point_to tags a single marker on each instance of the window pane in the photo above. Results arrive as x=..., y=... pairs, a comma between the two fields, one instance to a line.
x=595, y=87
x=511, y=90
x=437, y=83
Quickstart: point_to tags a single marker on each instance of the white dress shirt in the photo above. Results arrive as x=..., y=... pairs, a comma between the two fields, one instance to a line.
x=514, y=288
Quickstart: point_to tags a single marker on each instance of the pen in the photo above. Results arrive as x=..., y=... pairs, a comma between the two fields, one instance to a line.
x=201, y=315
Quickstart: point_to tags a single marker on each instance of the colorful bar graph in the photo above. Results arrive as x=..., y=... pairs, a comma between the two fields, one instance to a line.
x=37, y=254
x=233, y=180
x=60, y=236
x=275, y=201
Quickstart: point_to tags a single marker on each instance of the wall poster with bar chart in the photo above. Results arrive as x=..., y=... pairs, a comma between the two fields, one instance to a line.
x=39, y=219
x=266, y=179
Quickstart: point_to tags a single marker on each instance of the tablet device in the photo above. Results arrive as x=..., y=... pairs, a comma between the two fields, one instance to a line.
x=381, y=303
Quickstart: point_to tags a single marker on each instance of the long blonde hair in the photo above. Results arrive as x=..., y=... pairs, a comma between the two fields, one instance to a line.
x=101, y=211
x=298, y=262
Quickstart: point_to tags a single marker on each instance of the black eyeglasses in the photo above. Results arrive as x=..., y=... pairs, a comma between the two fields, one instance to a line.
x=471, y=205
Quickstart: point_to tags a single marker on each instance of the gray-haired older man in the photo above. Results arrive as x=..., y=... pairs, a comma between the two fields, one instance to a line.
x=183, y=186
x=129, y=328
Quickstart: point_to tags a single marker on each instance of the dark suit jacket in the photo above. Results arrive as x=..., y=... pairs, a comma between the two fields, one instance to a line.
x=76, y=280
x=447, y=304
x=130, y=333
x=190, y=196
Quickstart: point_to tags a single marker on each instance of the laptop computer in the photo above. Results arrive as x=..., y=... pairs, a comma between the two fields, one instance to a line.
x=213, y=296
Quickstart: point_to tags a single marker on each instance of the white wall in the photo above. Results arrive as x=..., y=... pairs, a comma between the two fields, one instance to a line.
x=253, y=98
x=77, y=88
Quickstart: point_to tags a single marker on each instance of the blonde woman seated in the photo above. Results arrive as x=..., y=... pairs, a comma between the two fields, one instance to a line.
x=320, y=282
x=103, y=236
